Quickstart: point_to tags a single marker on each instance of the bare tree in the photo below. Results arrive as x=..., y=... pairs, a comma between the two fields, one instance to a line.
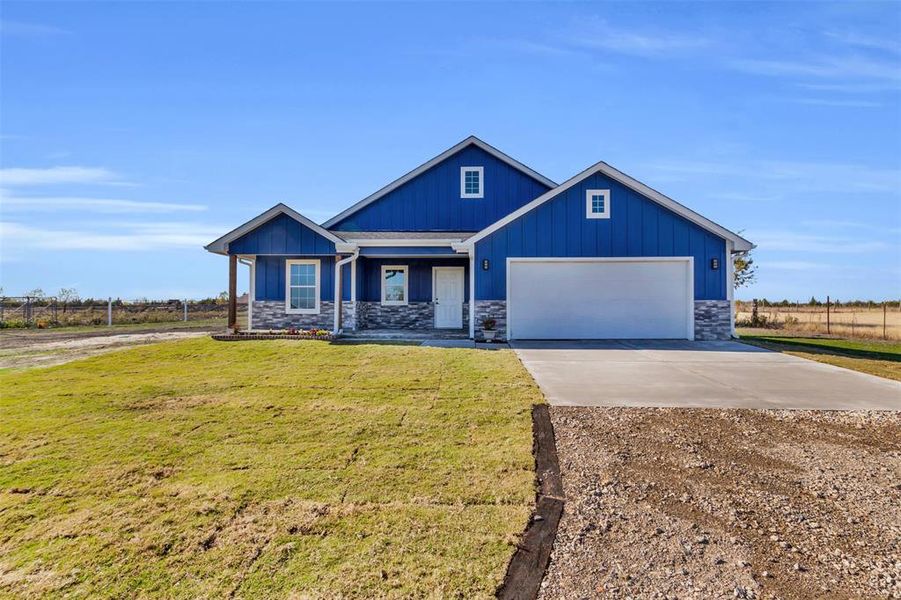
x=67, y=295
x=744, y=269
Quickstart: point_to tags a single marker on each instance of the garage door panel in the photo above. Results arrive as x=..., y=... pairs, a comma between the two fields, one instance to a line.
x=599, y=299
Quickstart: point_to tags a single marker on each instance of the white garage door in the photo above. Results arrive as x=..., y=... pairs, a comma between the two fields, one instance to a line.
x=600, y=298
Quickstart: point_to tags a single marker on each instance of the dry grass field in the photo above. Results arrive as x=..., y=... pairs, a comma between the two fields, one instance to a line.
x=850, y=322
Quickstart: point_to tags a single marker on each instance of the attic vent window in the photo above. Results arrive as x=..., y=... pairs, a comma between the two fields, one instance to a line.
x=471, y=182
x=597, y=204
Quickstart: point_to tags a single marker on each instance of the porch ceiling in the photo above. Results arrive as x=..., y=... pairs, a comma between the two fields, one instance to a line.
x=409, y=251
x=353, y=236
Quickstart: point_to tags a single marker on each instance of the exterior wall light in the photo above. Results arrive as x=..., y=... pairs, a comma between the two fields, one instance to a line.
x=484, y=264
x=714, y=263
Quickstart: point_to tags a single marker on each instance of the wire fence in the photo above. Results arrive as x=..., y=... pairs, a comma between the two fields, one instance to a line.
x=868, y=320
x=30, y=311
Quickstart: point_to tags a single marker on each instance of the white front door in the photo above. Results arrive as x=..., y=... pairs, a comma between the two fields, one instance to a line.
x=447, y=294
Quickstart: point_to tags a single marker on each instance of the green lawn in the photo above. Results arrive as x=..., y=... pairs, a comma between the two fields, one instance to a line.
x=266, y=469
x=875, y=357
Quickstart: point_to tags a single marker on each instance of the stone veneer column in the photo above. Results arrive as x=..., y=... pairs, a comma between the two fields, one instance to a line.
x=495, y=309
x=348, y=315
x=713, y=319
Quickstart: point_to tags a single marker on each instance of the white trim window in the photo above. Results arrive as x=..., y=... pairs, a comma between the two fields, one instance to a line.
x=472, y=182
x=302, y=287
x=597, y=204
x=395, y=285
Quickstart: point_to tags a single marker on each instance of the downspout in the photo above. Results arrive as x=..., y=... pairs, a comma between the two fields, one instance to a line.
x=730, y=284
x=472, y=295
x=338, y=298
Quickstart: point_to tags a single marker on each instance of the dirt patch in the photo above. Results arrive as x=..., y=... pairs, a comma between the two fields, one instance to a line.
x=527, y=567
x=23, y=351
x=697, y=503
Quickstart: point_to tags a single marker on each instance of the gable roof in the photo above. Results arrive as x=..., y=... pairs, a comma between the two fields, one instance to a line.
x=471, y=140
x=220, y=246
x=740, y=243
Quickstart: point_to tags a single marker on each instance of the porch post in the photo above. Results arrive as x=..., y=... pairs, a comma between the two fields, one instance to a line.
x=232, y=292
x=337, y=293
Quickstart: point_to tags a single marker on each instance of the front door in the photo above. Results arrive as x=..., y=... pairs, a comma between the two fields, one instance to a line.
x=447, y=293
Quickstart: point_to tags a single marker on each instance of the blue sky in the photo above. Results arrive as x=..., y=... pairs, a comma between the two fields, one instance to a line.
x=134, y=133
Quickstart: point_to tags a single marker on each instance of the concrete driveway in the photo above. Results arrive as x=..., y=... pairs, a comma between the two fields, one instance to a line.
x=696, y=374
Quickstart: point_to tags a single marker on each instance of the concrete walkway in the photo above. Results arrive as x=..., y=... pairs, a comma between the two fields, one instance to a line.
x=696, y=374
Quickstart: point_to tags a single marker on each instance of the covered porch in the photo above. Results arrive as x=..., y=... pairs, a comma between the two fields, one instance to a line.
x=404, y=289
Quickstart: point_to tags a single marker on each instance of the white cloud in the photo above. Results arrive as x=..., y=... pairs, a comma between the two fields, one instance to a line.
x=786, y=175
x=837, y=102
x=128, y=237
x=851, y=67
x=793, y=241
x=18, y=176
x=793, y=265
x=854, y=87
x=844, y=224
x=598, y=34
x=97, y=205
x=866, y=41
x=21, y=28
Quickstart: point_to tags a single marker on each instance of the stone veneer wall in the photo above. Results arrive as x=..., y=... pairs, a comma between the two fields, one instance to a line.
x=713, y=319
x=270, y=314
x=495, y=309
x=348, y=315
x=415, y=315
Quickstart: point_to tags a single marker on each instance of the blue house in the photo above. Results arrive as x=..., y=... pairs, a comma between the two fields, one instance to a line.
x=474, y=240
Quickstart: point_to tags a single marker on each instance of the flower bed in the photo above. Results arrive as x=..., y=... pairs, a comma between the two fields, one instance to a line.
x=273, y=334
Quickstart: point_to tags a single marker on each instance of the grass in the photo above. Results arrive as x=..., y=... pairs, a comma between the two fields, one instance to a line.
x=868, y=356
x=270, y=468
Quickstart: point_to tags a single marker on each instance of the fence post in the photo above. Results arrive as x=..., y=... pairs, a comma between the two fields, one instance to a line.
x=186, y=310
x=109, y=312
x=828, y=323
x=884, y=311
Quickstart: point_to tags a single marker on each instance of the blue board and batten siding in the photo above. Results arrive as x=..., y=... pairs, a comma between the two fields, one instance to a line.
x=419, y=273
x=282, y=235
x=637, y=226
x=270, y=273
x=282, y=238
x=431, y=201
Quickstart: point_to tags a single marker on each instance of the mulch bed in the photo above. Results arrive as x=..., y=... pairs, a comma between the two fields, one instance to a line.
x=239, y=337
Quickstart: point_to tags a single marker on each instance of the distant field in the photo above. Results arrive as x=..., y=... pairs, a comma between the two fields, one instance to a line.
x=853, y=322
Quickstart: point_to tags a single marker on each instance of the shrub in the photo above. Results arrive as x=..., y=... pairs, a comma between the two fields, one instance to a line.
x=13, y=324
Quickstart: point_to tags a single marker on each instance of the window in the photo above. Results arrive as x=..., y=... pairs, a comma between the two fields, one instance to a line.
x=394, y=285
x=302, y=282
x=471, y=181
x=597, y=204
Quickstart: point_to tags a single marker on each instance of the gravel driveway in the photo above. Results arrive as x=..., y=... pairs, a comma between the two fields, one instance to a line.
x=707, y=503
